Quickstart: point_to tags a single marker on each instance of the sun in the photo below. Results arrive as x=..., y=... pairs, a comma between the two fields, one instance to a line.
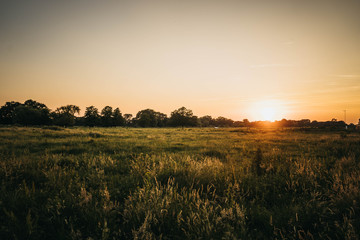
x=268, y=110
x=268, y=114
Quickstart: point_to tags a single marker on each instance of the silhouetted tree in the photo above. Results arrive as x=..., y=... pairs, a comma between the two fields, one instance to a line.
x=161, y=119
x=34, y=104
x=304, y=122
x=7, y=112
x=107, y=116
x=150, y=118
x=79, y=121
x=26, y=115
x=352, y=126
x=118, y=119
x=223, y=122
x=65, y=115
x=69, y=109
x=206, y=121
x=32, y=113
x=145, y=118
x=92, y=116
x=29, y=113
x=35, y=113
x=128, y=118
x=329, y=124
x=183, y=117
x=246, y=122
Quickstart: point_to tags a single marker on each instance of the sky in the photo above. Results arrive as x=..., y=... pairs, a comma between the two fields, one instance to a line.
x=260, y=60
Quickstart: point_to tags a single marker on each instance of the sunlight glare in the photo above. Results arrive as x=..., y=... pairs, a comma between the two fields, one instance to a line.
x=268, y=110
x=268, y=114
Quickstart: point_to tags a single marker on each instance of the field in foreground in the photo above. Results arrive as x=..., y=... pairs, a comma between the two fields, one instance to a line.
x=118, y=183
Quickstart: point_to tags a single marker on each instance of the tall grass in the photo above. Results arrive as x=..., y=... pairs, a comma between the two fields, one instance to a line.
x=118, y=183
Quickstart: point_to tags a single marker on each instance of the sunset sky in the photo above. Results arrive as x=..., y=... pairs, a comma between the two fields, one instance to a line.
x=238, y=59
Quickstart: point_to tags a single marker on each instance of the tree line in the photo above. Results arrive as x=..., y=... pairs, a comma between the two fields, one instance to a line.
x=34, y=113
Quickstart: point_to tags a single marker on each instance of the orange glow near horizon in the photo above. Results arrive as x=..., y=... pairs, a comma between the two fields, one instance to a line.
x=268, y=110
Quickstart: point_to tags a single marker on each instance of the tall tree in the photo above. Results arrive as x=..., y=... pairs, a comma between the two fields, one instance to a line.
x=246, y=122
x=161, y=119
x=32, y=113
x=183, y=117
x=91, y=116
x=224, y=122
x=35, y=104
x=118, y=119
x=150, y=118
x=107, y=116
x=28, y=113
x=65, y=115
x=206, y=121
x=7, y=112
x=146, y=118
x=68, y=109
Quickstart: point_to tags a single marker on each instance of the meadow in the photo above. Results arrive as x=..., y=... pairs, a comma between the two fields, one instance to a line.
x=179, y=183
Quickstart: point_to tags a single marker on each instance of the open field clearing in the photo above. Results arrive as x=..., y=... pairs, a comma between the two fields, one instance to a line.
x=174, y=183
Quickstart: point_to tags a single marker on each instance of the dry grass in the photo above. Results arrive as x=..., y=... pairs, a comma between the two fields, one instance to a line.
x=119, y=183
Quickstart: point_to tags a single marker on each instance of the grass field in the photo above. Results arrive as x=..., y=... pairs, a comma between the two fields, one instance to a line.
x=173, y=183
